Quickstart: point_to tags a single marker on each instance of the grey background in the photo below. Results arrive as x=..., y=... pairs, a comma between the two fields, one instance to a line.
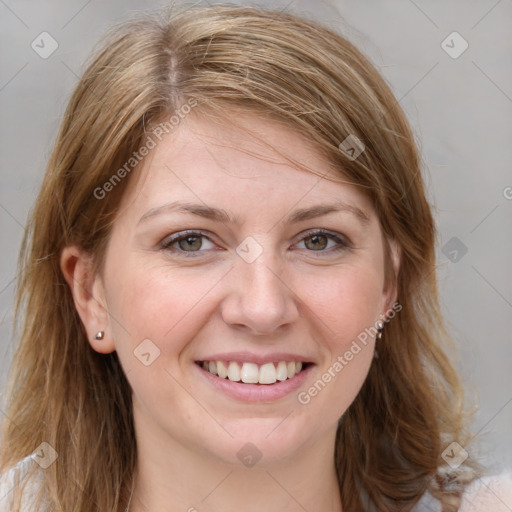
x=460, y=109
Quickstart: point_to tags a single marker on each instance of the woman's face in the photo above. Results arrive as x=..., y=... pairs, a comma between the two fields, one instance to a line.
x=224, y=252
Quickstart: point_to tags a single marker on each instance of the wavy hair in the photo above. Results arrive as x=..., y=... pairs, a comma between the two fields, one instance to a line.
x=297, y=72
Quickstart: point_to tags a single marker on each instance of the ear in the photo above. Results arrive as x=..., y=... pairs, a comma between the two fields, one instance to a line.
x=88, y=295
x=392, y=262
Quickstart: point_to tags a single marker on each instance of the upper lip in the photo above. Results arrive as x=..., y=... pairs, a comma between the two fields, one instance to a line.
x=249, y=357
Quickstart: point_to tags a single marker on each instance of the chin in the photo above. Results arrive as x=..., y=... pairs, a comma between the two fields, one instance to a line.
x=260, y=441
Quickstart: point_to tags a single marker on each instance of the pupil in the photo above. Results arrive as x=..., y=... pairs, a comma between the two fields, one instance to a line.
x=318, y=242
x=193, y=242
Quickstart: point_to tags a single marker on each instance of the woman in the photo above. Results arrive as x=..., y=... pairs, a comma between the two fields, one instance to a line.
x=230, y=280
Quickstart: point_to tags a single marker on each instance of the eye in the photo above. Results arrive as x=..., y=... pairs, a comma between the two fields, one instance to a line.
x=187, y=242
x=323, y=241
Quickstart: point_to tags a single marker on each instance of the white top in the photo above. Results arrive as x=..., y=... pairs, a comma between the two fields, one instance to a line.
x=487, y=494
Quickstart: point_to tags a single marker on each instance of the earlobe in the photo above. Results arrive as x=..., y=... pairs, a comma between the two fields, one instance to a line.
x=88, y=296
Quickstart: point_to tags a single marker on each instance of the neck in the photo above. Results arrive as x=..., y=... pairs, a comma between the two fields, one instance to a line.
x=180, y=478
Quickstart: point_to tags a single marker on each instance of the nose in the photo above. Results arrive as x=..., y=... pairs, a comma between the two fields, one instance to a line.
x=259, y=300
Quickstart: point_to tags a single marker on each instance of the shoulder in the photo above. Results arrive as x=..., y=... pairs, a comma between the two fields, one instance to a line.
x=485, y=494
x=27, y=474
x=490, y=493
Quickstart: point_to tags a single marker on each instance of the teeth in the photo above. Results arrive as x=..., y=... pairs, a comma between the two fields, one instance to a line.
x=222, y=370
x=291, y=369
x=251, y=373
x=282, y=372
x=267, y=374
x=234, y=372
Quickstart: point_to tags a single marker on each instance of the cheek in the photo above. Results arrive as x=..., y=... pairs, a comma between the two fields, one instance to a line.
x=159, y=304
x=347, y=300
x=158, y=312
x=347, y=303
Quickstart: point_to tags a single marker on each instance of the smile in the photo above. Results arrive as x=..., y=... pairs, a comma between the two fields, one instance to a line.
x=252, y=373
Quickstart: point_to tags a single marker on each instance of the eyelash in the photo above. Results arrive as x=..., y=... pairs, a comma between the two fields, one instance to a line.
x=343, y=243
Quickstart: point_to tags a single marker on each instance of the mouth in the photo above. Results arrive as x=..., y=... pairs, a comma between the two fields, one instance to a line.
x=265, y=374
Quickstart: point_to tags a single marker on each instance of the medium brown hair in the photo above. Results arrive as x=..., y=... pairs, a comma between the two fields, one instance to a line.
x=389, y=442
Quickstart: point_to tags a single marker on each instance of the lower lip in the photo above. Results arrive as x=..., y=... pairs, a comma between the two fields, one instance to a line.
x=256, y=392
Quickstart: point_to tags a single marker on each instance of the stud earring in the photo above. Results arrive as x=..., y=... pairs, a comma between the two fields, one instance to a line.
x=100, y=335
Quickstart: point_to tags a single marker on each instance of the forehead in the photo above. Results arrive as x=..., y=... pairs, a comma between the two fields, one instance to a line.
x=255, y=160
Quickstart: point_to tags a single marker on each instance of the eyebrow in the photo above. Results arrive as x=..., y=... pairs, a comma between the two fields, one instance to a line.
x=200, y=210
x=221, y=215
x=317, y=211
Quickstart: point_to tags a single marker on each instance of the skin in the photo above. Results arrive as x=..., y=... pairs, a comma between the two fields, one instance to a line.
x=295, y=297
